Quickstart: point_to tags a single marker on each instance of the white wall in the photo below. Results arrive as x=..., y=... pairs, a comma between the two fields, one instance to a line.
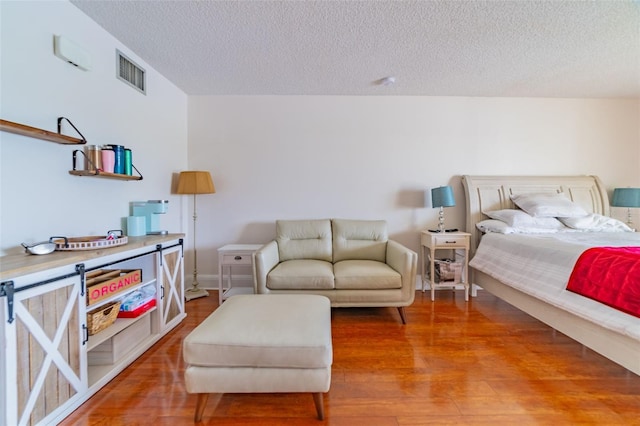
x=39, y=198
x=372, y=157
x=270, y=157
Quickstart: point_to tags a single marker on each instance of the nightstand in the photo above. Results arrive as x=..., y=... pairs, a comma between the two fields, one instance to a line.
x=229, y=256
x=458, y=244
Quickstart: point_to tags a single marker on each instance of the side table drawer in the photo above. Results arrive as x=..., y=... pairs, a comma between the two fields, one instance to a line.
x=454, y=241
x=236, y=259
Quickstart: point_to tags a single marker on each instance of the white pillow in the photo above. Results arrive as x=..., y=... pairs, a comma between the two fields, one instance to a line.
x=596, y=223
x=522, y=221
x=548, y=205
x=492, y=225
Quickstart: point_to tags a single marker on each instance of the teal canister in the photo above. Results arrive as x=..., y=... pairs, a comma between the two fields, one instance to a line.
x=118, y=166
x=128, y=164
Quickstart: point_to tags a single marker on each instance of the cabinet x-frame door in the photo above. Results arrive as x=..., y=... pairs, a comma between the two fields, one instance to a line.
x=171, y=286
x=47, y=370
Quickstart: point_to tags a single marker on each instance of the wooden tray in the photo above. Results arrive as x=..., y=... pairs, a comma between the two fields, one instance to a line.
x=88, y=243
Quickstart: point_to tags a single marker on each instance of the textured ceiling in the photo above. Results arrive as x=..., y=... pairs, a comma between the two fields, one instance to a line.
x=436, y=48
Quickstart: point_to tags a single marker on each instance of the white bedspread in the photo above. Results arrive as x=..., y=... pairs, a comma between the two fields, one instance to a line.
x=540, y=265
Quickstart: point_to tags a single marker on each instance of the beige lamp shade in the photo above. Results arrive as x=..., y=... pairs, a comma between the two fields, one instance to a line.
x=195, y=182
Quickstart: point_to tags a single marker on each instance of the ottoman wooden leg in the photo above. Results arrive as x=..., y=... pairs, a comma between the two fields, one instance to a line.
x=403, y=317
x=200, y=404
x=317, y=399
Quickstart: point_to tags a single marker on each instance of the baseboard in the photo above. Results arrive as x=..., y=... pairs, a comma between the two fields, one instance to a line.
x=210, y=282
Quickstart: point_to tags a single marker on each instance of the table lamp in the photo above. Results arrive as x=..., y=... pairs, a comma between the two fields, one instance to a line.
x=442, y=197
x=626, y=197
x=195, y=182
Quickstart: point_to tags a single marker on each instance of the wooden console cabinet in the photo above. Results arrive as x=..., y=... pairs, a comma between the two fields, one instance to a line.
x=51, y=365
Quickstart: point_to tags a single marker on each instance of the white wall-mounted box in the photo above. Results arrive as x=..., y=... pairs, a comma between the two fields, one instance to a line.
x=71, y=52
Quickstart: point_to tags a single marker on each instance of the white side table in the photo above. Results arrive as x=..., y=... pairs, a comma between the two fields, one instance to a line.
x=456, y=241
x=228, y=256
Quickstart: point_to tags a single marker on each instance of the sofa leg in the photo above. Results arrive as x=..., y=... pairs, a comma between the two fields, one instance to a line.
x=200, y=404
x=402, y=314
x=317, y=400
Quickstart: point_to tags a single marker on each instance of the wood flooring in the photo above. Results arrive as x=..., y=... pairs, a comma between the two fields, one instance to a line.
x=480, y=362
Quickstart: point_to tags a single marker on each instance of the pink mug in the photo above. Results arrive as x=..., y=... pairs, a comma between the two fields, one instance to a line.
x=108, y=160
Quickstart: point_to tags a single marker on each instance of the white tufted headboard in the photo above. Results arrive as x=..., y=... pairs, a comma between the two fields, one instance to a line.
x=485, y=193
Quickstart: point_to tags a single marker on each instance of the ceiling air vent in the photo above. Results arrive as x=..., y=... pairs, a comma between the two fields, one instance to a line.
x=129, y=72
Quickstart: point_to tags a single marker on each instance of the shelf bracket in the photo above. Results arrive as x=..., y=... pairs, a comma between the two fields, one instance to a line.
x=74, y=128
x=75, y=155
x=6, y=289
x=137, y=171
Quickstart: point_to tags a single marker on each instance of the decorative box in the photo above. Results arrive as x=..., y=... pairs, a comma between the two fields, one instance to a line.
x=138, y=311
x=104, y=283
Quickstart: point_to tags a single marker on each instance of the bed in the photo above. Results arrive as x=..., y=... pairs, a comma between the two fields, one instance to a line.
x=610, y=332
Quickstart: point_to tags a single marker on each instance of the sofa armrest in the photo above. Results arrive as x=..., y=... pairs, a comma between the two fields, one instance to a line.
x=405, y=262
x=264, y=260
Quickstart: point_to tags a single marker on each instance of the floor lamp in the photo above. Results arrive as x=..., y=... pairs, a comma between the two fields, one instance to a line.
x=195, y=182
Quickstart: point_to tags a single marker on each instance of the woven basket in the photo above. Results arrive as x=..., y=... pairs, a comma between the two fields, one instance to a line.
x=448, y=270
x=102, y=317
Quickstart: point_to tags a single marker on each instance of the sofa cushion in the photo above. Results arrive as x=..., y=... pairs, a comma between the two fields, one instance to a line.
x=301, y=274
x=359, y=240
x=365, y=275
x=304, y=239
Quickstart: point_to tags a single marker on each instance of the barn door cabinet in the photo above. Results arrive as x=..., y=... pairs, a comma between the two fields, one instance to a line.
x=51, y=364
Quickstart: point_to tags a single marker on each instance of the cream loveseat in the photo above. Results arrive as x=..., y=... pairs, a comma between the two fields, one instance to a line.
x=352, y=262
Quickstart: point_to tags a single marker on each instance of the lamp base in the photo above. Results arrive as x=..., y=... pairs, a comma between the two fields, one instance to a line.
x=441, y=220
x=194, y=293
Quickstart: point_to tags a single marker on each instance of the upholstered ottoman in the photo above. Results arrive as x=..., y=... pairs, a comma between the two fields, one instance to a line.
x=261, y=344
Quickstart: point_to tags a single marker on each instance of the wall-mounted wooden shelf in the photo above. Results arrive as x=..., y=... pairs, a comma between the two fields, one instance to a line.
x=98, y=173
x=34, y=132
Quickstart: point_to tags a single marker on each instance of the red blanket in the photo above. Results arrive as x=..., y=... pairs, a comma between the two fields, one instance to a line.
x=610, y=275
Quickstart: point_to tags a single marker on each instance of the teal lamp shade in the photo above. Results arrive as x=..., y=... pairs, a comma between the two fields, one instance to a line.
x=442, y=197
x=626, y=197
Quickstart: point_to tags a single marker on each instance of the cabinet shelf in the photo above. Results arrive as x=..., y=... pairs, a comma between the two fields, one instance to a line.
x=119, y=325
x=34, y=132
x=105, y=175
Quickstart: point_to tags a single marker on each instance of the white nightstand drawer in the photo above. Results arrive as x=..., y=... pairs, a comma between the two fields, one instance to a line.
x=236, y=259
x=453, y=240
